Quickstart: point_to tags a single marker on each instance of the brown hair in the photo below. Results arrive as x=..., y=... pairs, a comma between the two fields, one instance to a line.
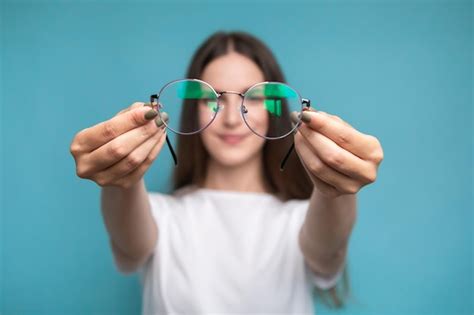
x=292, y=182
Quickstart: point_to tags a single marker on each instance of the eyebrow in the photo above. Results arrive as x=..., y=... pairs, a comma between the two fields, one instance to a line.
x=244, y=90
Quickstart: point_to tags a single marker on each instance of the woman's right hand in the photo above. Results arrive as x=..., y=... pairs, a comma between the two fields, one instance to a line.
x=117, y=152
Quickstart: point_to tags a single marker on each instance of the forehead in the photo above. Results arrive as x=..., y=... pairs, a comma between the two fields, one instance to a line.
x=232, y=72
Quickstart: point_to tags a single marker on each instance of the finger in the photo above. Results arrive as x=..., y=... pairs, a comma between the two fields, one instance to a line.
x=332, y=116
x=336, y=157
x=318, y=168
x=322, y=186
x=91, y=138
x=120, y=147
x=344, y=135
x=138, y=173
x=134, y=105
x=376, y=155
x=131, y=162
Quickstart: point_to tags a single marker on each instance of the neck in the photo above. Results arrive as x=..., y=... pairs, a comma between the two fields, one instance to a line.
x=245, y=177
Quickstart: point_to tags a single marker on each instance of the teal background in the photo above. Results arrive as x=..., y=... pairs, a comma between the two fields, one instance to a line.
x=399, y=70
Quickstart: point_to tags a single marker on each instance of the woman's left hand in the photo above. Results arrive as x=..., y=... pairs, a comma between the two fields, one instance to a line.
x=338, y=158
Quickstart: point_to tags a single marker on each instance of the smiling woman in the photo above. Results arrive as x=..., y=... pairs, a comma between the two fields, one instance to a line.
x=227, y=156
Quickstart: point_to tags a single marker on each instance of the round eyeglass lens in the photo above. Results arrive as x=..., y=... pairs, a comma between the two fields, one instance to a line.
x=184, y=99
x=267, y=108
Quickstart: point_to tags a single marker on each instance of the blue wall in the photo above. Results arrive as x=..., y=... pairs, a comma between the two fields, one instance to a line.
x=399, y=70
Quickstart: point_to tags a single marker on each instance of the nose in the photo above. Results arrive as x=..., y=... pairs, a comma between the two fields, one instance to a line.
x=230, y=109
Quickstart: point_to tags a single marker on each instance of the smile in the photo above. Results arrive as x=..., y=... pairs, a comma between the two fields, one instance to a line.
x=232, y=139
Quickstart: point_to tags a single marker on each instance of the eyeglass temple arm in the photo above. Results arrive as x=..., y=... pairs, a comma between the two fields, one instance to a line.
x=168, y=142
x=170, y=147
x=283, y=162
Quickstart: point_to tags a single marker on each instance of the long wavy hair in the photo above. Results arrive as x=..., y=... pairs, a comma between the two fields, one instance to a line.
x=292, y=182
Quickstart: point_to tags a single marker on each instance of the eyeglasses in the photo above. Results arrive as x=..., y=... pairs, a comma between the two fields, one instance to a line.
x=188, y=98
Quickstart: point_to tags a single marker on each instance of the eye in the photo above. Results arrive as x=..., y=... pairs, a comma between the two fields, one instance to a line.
x=209, y=103
x=206, y=100
x=256, y=98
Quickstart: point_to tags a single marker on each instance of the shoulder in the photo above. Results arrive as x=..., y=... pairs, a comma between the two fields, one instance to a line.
x=295, y=204
x=162, y=200
x=296, y=209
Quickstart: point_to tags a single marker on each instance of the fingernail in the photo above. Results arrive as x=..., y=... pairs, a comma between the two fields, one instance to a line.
x=306, y=117
x=294, y=117
x=159, y=120
x=149, y=115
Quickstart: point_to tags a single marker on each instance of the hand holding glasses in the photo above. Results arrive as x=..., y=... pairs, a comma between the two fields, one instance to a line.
x=185, y=96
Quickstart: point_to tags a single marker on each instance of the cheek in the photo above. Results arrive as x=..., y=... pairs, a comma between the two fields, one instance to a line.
x=204, y=116
x=265, y=122
x=258, y=121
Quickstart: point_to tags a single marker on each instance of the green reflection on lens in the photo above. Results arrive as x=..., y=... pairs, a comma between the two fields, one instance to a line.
x=212, y=106
x=195, y=90
x=273, y=106
x=272, y=94
x=272, y=90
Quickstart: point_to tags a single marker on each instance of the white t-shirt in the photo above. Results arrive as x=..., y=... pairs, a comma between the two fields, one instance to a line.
x=227, y=252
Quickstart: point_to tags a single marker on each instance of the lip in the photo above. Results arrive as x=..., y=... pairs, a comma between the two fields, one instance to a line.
x=232, y=138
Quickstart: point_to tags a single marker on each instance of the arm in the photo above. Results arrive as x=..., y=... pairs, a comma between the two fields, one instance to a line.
x=115, y=154
x=325, y=233
x=339, y=160
x=129, y=223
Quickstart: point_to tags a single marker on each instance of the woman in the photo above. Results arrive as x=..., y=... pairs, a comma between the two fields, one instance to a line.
x=236, y=235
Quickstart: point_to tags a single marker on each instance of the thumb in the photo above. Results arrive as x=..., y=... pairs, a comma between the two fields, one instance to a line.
x=133, y=106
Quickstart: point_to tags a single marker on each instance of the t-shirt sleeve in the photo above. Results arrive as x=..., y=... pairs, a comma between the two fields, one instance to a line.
x=324, y=283
x=159, y=207
x=160, y=204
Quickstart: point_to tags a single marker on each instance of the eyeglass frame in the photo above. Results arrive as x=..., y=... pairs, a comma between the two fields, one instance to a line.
x=304, y=102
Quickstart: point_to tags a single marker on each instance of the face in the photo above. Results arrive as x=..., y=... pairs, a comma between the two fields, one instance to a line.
x=228, y=139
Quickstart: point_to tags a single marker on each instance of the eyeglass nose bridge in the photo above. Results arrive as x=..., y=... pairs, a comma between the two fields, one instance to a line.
x=230, y=92
x=242, y=95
